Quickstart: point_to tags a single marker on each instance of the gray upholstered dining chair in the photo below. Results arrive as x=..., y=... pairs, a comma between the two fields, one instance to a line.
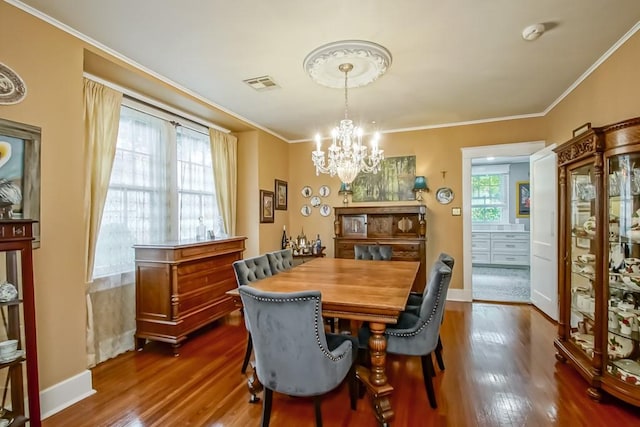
x=293, y=355
x=417, y=335
x=247, y=271
x=373, y=252
x=280, y=260
x=415, y=300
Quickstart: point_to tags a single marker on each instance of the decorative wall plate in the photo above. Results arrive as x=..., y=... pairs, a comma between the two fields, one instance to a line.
x=306, y=191
x=325, y=210
x=444, y=195
x=305, y=210
x=324, y=191
x=12, y=87
x=315, y=201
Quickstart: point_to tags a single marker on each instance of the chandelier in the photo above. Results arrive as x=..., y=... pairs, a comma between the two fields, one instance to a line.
x=347, y=155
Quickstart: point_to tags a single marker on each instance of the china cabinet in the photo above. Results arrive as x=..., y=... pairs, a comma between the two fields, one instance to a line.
x=599, y=262
x=18, y=323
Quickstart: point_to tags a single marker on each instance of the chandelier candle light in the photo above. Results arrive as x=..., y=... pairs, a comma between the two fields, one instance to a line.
x=347, y=155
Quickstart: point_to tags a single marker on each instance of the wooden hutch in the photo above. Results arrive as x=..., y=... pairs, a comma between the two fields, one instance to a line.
x=402, y=227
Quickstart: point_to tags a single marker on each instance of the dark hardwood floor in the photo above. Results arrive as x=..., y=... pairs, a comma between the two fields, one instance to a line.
x=500, y=371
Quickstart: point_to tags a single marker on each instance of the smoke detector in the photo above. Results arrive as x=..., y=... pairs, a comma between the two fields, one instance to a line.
x=532, y=32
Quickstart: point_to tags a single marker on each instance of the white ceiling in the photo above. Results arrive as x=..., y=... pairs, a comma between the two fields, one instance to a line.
x=453, y=61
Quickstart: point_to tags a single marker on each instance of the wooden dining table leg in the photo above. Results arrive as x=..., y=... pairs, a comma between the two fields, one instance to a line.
x=254, y=385
x=375, y=379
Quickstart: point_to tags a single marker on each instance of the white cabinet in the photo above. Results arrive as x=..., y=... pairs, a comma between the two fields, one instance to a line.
x=481, y=248
x=500, y=247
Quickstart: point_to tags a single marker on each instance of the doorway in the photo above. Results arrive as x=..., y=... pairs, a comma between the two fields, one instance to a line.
x=500, y=239
x=500, y=205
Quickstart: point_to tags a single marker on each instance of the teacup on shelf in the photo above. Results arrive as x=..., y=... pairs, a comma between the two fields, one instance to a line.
x=586, y=258
x=627, y=322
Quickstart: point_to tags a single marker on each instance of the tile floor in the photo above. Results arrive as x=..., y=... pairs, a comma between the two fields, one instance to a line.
x=501, y=284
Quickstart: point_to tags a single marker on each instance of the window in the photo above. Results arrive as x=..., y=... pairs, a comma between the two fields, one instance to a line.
x=161, y=186
x=490, y=195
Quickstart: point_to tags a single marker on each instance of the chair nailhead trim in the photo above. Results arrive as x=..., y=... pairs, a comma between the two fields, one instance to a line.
x=324, y=350
x=426, y=322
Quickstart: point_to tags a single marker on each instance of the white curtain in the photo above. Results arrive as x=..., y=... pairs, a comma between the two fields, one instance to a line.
x=224, y=153
x=101, y=118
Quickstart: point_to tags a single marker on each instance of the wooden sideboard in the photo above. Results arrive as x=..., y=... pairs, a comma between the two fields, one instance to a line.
x=181, y=287
x=402, y=227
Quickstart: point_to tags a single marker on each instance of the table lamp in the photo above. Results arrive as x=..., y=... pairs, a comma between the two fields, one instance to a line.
x=420, y=185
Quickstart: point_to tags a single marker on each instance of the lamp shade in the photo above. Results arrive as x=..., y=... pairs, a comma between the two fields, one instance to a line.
x=420, y=183
x=344, y=188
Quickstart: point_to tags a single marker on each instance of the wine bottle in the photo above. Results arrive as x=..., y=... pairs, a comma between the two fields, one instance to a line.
x=284, y=237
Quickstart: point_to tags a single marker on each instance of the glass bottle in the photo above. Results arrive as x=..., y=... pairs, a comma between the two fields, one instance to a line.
x=201, y=230
x=284, y=237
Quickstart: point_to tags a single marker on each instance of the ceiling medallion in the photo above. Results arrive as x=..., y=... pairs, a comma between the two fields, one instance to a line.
x=369, y=60
x=12, y=87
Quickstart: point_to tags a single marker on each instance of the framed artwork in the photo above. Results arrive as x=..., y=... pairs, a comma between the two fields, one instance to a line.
x=20, y=173
x=393, y=182
x=523, y=200
x=267, y=206
x=281, y=195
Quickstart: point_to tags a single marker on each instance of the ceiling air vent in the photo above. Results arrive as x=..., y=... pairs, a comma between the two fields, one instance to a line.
x=261, y=83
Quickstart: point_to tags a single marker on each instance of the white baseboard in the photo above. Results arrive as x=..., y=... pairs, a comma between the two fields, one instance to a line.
x=463, y=295
x=64, y=394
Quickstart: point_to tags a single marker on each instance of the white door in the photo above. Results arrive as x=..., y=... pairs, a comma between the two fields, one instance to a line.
x=544, y=231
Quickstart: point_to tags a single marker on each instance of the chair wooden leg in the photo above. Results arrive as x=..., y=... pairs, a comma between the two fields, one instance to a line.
x=427, y=372
x=332, y=324
x=247, y=355
x=353, y=387
x=439, y=354
x=432, y=370
x=266, y=407
x=316, y=405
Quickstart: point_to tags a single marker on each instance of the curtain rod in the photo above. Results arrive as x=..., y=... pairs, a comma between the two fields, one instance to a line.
x=154, y=103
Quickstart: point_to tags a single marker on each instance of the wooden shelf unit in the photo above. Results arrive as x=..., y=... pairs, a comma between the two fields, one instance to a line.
x=16, y=237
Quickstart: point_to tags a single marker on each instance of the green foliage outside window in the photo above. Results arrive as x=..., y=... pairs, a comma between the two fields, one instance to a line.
x=488, y=198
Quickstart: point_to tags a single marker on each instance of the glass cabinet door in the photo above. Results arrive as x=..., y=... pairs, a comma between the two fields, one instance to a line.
x=623, y=290
x=582, y=195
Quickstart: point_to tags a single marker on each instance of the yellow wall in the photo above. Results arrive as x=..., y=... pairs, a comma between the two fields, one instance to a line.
x=609, y=95
x=436, y=150
x=52, y=62
x=247, y=210
x=274, y=161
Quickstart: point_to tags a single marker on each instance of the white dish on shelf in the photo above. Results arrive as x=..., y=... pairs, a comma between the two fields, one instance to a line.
x=584, y=341
x=12, y=357
x=633, y=234
x=632, y=282
x=627, y=370
x=618, y=347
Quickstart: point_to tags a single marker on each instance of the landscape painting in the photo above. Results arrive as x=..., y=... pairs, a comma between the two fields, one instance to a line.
x=393, y=182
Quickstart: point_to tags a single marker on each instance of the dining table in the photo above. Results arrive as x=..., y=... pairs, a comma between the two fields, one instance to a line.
x=374, y=292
